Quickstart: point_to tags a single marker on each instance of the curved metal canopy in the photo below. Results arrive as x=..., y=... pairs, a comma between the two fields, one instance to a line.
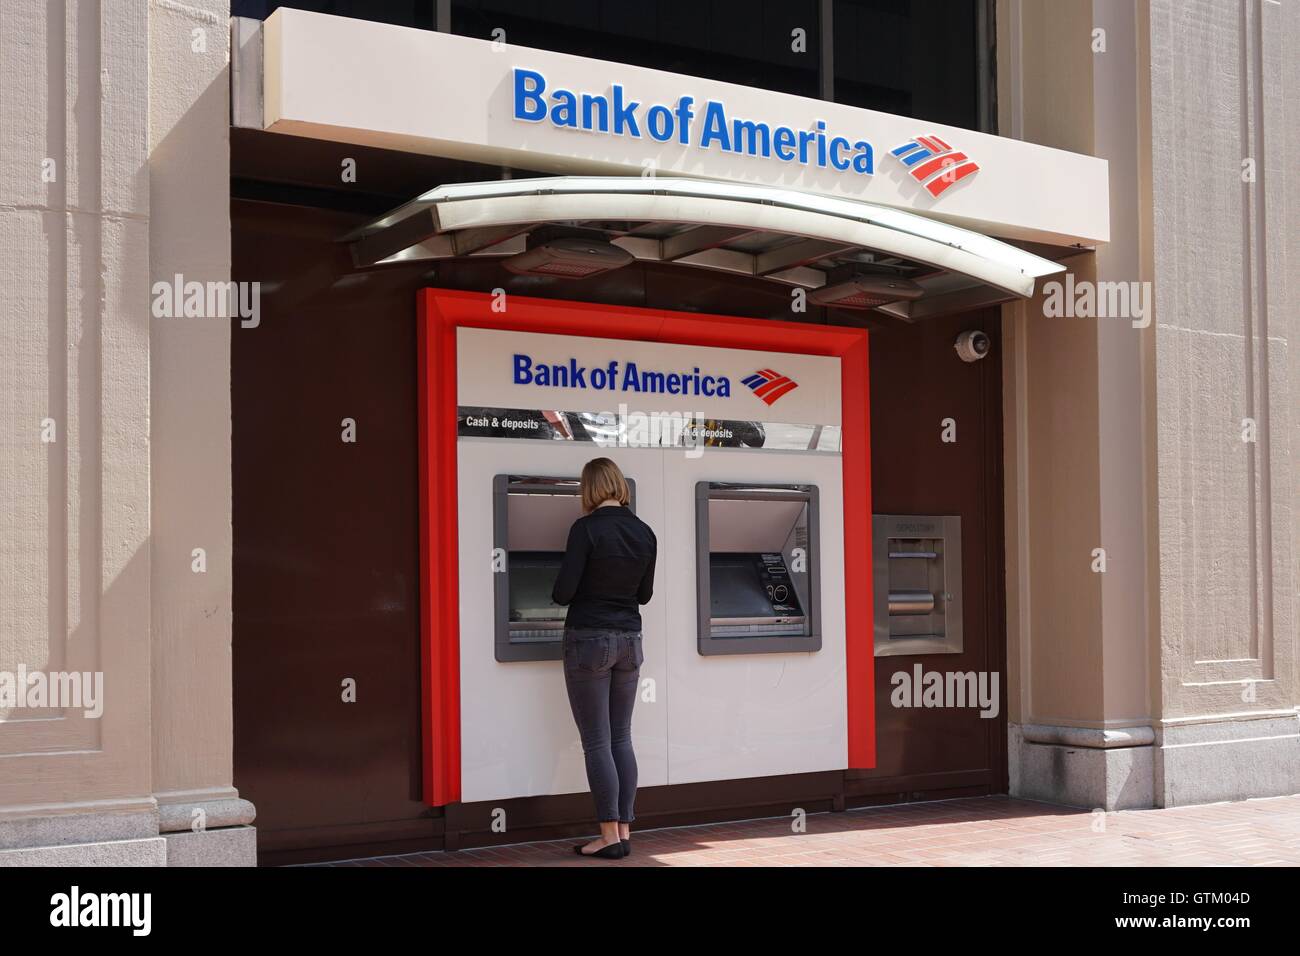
x=776, y=234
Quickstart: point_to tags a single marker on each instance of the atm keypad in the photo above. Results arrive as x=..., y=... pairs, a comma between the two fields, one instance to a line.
x=776, y=582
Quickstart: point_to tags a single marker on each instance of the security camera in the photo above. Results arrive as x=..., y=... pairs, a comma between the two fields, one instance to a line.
x=972, y=346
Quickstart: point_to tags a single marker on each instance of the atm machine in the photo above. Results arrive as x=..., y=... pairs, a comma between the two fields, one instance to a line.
x=757, y=567
x=531, y=517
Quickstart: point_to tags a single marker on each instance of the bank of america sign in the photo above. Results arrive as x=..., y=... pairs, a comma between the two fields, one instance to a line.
x=929, y=160
x=688, y=123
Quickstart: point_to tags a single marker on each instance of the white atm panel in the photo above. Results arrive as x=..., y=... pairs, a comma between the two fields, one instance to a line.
x=752, y=715
x=518, y=737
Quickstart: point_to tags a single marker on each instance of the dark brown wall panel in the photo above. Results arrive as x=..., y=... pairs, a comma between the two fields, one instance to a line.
x=917, y=380
x=326, y=546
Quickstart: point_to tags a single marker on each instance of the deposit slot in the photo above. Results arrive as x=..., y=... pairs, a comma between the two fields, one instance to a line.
x=917, y=569
x=531, y=520
x=757, y=568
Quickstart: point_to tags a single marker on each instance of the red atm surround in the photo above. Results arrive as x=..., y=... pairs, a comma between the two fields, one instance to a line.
x=440, y=312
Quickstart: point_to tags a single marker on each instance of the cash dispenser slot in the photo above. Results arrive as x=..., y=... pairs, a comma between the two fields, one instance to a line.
x=918, y=587
x=757, y=568
x=531, y=520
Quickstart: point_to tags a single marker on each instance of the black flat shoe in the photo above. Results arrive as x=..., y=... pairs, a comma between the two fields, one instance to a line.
x=627, y=847
x=613, y=851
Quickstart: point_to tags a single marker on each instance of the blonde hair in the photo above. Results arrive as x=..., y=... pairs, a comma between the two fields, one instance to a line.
x=602, y=480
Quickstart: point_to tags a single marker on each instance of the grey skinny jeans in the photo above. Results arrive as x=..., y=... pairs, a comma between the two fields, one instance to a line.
x=602, y=672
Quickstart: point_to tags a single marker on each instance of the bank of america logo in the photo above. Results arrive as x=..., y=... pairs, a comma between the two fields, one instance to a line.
x=769, y=385
x=933, y=163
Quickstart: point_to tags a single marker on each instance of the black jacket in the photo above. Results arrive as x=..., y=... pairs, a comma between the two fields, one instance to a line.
x=607, y=571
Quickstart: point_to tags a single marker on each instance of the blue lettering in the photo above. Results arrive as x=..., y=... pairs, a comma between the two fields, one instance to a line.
x=577, y=374
x=783, y=143
x=863, y=161
x=659, y=123
x=755, y=137
x=601, y=107
x=565, y=110
x=715, y=126
x=528, y=102
x=838, y=143
x=625, y=114
x=571, y=374
x=618, y=114
x=684, y=116
x=806, y=136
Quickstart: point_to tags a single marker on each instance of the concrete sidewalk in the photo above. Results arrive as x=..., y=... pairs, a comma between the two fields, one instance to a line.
x=983, y=831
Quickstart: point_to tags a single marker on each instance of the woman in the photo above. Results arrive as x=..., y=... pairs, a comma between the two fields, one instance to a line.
x=607, y=572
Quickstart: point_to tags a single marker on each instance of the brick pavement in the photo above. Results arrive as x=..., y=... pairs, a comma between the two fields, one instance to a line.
x=983, y=831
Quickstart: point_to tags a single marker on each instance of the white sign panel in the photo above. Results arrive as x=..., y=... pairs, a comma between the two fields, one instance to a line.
x=504, y=369
x=354, y=81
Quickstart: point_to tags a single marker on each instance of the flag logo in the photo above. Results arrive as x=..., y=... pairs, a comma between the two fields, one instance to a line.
x=933, y=163
x=769, y=385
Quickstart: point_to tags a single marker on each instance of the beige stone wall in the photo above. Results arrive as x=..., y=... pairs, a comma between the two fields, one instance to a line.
x=74, y=348
x=124, y=108
x=1075, y=394
x=1224, y=83
x=189, y=138
x=1134, y=436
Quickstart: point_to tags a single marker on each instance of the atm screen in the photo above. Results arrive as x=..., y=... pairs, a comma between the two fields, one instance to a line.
x=734, y=587
x=532, y=576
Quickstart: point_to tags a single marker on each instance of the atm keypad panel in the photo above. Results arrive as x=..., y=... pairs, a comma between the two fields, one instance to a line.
x=752, y=593
x=778, y=586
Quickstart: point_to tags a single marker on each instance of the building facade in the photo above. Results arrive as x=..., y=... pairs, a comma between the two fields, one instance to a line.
x=181, y=516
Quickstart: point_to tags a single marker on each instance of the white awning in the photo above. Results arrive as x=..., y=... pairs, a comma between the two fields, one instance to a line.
x=770, y=233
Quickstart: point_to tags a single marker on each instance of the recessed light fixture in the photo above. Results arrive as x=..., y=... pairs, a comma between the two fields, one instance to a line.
x=866, y=292
x=569, y=258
